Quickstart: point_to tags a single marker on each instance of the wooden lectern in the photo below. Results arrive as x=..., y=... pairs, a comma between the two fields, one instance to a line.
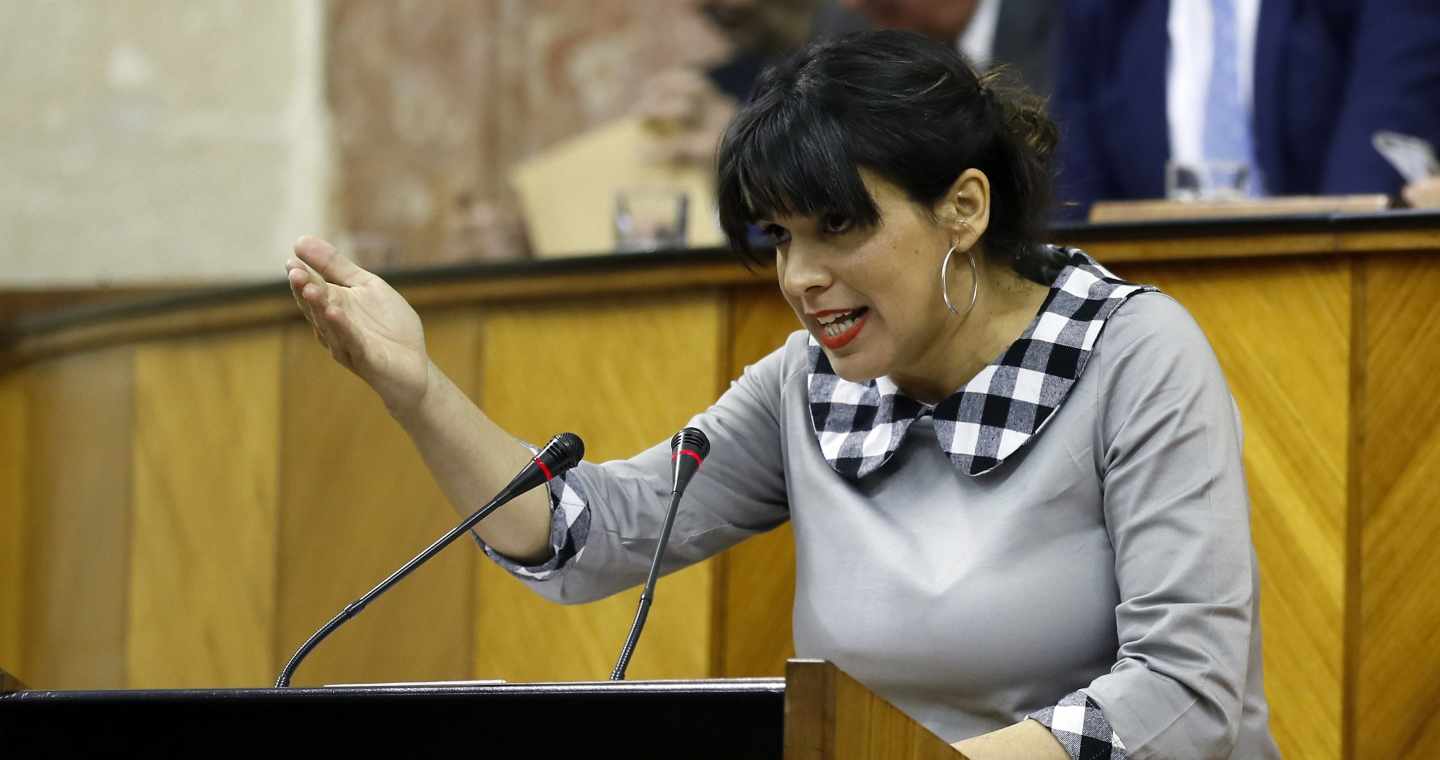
x=9, y=683
x=816, y=712
x=829, y=715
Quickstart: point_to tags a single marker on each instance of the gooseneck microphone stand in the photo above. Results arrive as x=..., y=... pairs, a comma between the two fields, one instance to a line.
x=688, y=449
x=560, y=454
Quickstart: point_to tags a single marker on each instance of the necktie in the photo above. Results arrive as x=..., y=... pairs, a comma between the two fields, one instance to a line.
x=1227, y=124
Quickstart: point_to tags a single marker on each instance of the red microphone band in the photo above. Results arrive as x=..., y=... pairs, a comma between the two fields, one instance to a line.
x=688, y=453
x=548, y=474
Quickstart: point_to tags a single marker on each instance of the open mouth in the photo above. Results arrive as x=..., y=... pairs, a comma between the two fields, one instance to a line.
x=835, y=325
x=839, y=328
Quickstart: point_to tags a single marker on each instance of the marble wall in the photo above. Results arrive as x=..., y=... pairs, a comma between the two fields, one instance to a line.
x=173, y=142
x=158, y=141
x=434, y=101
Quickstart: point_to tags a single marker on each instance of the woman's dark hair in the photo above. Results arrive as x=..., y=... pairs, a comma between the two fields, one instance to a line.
x=900, y=105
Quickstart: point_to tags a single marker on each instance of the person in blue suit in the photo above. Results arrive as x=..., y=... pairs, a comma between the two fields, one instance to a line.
x=1315, y=80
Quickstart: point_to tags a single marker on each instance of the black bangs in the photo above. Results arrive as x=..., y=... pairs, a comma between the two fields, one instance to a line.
x=781, y=157
x=898, y=106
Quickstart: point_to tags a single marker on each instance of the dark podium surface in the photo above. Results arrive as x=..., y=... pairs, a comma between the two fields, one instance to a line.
x=735, y=718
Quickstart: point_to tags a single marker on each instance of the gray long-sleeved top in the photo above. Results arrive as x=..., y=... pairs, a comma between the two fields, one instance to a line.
x=1111, y=554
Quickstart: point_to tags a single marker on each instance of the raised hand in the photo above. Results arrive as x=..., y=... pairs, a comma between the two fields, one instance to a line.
x=368, y=327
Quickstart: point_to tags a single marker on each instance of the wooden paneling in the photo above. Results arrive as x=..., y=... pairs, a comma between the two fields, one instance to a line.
x=1397, y=711
x=1237, y=245
x=213, y=314
x=1340, y=457
x=831, y=716
x=623, y=374
x=25, y=302
x=13, y=501
x=1282, y=334
x=81, y=412
x=275, y=307
x=1412, y=240
x=356, y=502
x=601, y=275
x=202, y=576
x=1163, y=210
x=755, y=608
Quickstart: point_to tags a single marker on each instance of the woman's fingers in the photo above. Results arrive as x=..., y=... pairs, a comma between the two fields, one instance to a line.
x=296, y=276
x=330, y=263
x=310, y=274
x=347, y=337
x=317, y=297
x=305, y=286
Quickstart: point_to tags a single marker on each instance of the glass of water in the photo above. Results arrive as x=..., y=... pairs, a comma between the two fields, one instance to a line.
x=1206, y=180
x=650, y=219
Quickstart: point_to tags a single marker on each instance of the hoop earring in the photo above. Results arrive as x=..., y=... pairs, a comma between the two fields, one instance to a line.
x=974, y=282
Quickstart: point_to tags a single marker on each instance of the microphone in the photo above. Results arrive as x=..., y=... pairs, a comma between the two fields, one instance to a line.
x=688, y=450
x=559, y=455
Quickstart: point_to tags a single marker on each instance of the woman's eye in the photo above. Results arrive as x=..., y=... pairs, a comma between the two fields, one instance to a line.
x=835, y=224
x=776, y=233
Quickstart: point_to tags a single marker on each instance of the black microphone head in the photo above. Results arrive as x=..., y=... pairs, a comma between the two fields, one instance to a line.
x=688, y=449
x=691, y=439
x=562, y=452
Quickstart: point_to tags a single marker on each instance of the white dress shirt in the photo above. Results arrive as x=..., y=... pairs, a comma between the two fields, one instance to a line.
x=977, y=42
x=1187, y=77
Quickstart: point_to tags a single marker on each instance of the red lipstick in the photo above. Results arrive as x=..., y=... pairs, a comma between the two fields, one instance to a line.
x=840, y=341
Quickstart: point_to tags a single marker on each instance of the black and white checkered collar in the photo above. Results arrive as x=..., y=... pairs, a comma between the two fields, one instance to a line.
x=861, y=425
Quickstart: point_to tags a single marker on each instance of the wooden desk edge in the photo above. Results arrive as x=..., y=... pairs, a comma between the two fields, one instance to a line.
x=252, y=306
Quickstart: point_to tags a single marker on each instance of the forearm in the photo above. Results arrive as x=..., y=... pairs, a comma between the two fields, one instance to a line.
x=472, y=458
x=1026, y=740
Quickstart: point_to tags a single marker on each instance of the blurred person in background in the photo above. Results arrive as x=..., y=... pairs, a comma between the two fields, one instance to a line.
x=1017, y=34
x=689, y=107
x=765, y=31
x=1294, y=89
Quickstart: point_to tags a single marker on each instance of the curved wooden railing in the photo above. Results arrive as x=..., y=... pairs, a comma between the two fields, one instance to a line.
x=189, y=486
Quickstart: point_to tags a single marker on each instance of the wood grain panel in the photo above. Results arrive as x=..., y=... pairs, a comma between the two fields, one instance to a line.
x=13, y=502
x=1161, y=210
x=274, y=306
x=356, y=503
x=81, y=415
x=1282, y=333
x=623, y=374
x=25, y=302
x=593, y=276
x=203, y=541
x=1240, y=245
x=831, y=716
x=1398, y=452
x=1415, y=240
x=754, y=633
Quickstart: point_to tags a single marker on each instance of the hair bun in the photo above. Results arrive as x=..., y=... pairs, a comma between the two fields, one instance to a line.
x=1023, y=113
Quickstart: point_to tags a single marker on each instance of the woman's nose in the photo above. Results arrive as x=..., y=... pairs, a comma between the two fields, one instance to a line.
x=801, y=271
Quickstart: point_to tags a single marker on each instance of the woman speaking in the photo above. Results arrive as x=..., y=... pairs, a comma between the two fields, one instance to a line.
x=1014, y=479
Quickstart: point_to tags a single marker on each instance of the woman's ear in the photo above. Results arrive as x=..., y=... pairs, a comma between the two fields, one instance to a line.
x=965, y=209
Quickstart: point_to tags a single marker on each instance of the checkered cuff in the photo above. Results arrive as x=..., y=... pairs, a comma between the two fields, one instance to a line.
x=569, y=527
x=1080, y=726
